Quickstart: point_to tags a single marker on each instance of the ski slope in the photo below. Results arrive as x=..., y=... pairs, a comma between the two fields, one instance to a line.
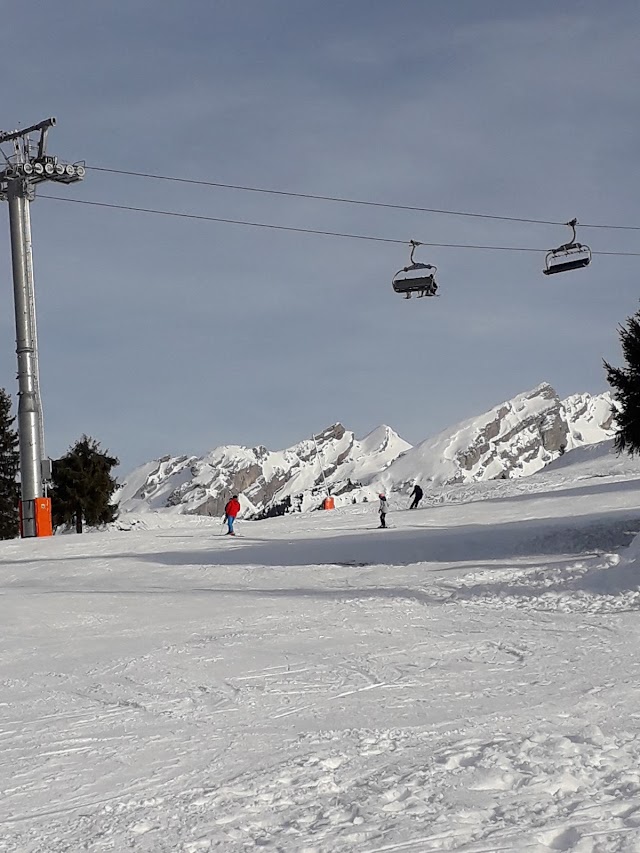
x=465, y=681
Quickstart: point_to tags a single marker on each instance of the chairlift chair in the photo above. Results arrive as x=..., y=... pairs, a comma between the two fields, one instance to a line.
x=570, y=256
x=414, y=278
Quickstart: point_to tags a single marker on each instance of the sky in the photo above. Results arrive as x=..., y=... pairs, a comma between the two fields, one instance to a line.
x=161, y=335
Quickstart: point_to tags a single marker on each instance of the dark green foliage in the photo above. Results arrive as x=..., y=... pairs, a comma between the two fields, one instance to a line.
x=9, y=467
x=626, y=384
x=83, y=486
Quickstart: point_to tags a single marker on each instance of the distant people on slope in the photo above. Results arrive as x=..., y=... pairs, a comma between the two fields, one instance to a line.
x=416, y=494
x=231, y=510
x=382, y=509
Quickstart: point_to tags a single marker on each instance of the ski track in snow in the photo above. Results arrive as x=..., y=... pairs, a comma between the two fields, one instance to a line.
x=464, y=682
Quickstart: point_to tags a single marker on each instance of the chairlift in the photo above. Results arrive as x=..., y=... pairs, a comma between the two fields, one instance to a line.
x=414, y=278
x=570, y=256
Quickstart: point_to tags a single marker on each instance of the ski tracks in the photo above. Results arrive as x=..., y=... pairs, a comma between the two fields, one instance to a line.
x=391, y=791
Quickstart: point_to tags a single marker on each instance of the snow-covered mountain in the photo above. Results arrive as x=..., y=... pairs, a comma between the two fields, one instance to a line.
x=516, y=438
x=266, y=480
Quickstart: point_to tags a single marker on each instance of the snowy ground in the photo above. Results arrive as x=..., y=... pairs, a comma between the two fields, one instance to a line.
x=467, y=680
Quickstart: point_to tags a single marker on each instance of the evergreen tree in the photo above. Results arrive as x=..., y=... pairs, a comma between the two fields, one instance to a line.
x=626, y=384
x=83, y=486
x=9, y=467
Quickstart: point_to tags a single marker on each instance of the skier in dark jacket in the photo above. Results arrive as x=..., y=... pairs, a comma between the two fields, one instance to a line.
x=416, y=494
x=230, y=512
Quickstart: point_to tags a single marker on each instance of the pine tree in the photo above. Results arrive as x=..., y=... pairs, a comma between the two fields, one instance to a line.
x=9, y=467
x=626, y=384
x=83, y=486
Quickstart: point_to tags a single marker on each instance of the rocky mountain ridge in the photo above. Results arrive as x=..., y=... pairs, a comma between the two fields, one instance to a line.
x=515, y=438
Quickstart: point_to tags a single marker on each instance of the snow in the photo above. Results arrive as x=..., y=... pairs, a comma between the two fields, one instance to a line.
x=258, y=476
x=507, y=439
x=152, y=484
x=516, y=438
x=585, y=414
x=465, y=681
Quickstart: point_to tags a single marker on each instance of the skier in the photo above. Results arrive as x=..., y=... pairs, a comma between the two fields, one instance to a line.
x=230, y=511
x=416, y=494
x=382, y=509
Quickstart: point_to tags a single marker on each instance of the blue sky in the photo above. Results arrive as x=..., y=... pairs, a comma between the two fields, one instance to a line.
x=161, y=335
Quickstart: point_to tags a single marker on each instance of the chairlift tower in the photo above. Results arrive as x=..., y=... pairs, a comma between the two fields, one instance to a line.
x=28, y=166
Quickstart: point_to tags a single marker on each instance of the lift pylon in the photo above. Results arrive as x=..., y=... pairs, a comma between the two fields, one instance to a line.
x=28, y=166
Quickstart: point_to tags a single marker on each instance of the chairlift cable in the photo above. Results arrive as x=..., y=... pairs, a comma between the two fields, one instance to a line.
x=299, y=230
x=346, y=200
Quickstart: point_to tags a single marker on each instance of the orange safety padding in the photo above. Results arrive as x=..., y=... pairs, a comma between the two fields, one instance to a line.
x=44, y=524
x=329, y=503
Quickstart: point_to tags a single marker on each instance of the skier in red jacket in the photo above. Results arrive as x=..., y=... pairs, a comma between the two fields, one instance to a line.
x=230, y=511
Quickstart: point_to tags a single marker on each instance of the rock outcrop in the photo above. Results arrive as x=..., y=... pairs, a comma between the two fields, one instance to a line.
x=516, y=438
